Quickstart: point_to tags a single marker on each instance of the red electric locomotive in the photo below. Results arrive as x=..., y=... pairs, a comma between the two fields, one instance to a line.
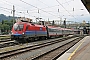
x=23, y=31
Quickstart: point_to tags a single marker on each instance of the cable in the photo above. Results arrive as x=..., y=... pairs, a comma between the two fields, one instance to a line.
x=5, y=8
x=64, y=8
x=10, y=3
x=6, y=2
x=67, y=2
x=36, y=7
x=43, y=3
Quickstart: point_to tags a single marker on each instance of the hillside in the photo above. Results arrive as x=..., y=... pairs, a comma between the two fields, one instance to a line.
x=4, y=17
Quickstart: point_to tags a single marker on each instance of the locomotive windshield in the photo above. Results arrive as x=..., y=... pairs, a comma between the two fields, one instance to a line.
x=18, y=27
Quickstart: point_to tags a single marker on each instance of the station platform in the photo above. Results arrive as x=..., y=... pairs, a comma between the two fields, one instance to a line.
x=80, y=51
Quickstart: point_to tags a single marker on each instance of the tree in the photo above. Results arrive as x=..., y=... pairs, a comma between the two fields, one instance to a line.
x=0, y=26
x=2, y=21
x=5, y=26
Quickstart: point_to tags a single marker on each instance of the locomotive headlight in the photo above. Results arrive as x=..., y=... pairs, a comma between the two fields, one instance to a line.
x=23, y=33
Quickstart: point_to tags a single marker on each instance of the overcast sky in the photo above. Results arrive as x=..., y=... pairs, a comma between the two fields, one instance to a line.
x=72, y=10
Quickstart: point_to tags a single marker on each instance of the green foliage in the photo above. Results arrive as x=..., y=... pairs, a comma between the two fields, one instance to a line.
x=6, y=26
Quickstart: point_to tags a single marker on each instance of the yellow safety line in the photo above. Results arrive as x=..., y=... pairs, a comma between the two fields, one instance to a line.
x=75, y=50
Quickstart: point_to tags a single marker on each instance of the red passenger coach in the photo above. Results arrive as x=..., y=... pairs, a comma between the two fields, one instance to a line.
x=54, y=31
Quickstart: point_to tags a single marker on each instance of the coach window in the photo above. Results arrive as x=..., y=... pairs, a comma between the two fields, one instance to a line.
x=50, y=30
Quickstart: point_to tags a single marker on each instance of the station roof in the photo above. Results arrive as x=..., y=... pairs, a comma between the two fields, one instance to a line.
x=86, y=4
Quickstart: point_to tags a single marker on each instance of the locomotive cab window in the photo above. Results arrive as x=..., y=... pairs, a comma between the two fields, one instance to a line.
x=18, y=27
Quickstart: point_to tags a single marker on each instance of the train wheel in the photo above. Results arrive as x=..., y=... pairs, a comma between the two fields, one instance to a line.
x=31, y=39
x=43, y=38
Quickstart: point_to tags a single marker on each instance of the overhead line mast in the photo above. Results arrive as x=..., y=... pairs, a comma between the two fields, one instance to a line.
x=13, y=14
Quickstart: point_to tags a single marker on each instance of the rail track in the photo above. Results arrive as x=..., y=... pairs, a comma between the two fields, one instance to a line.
x=37, y=50
x=57, y=52
x=7, y=42
x=2, y=37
